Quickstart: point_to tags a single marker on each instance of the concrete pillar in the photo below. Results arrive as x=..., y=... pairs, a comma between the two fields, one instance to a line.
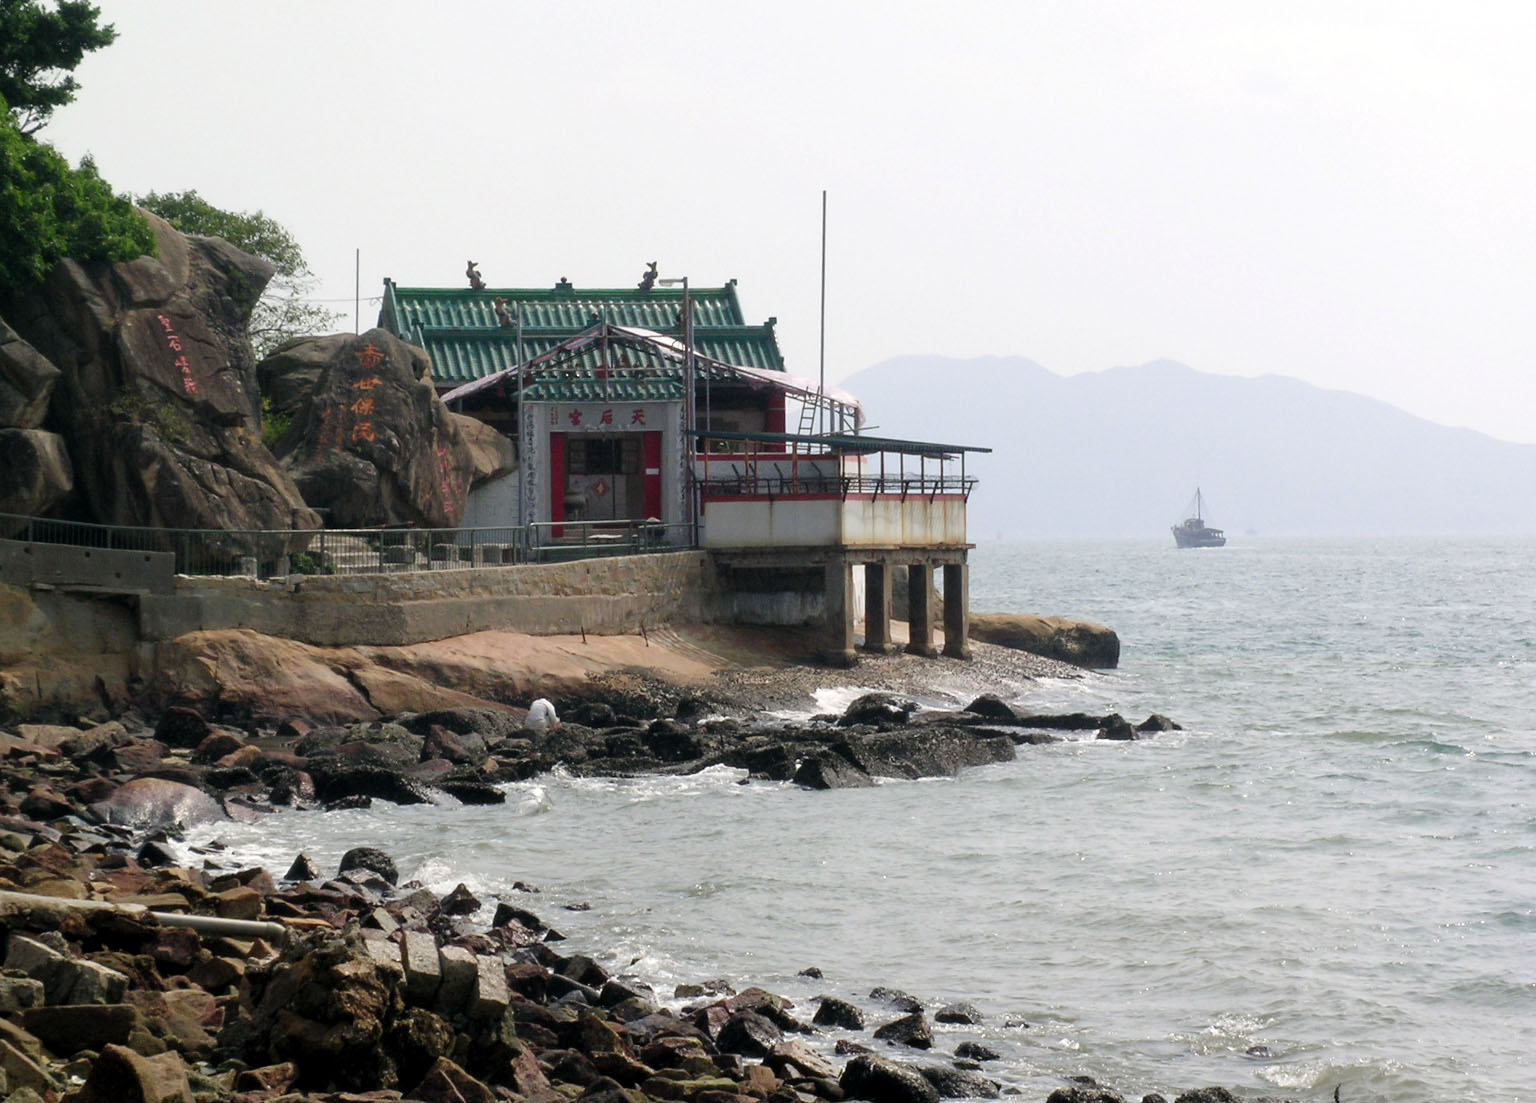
x=877, y=608
x=957, y=610
x=838, y=648
x=920, y=610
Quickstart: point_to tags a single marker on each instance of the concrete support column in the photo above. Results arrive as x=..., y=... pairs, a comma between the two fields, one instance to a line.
x=957, y=610
x=838, y=589
x=920, y=610
x=877, y=608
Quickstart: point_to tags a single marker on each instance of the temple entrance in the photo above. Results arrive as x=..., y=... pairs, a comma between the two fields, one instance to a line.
x=602, y=477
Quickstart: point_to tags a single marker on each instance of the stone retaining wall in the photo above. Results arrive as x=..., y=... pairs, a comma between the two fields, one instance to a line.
x=607, y=596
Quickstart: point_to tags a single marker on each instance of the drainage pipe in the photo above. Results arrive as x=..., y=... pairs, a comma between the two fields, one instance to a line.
x=277, y=933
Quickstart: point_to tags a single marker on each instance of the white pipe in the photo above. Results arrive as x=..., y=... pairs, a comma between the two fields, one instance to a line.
x=13, y=902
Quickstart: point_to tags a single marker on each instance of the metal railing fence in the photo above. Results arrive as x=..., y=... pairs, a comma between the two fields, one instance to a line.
x=276, y=553
x=789, y=486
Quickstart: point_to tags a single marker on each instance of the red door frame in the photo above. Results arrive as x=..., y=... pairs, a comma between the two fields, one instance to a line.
x=557, y=482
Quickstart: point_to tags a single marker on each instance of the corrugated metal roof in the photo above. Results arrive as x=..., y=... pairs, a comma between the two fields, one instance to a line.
x=460, y=330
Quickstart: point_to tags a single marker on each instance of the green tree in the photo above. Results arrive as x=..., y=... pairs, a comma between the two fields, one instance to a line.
x=49, y=211
x=39, y=49
x=286, y=309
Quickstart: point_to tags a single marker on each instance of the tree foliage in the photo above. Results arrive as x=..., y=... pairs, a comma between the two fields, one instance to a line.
x=39, y=48
x=49, y=210
x=285, y=311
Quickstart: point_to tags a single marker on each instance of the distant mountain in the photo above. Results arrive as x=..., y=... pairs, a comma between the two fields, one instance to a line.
x=1119, y=452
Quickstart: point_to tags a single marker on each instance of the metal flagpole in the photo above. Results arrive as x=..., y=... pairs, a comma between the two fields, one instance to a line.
x=821, y=385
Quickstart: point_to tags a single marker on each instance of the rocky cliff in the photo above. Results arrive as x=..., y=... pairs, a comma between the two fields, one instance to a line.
x=144, y=371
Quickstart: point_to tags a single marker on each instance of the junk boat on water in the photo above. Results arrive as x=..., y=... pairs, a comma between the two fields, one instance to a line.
x=1193, y=532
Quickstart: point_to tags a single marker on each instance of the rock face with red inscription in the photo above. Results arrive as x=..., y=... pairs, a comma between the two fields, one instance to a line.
x=157, y=394
x=371, y=443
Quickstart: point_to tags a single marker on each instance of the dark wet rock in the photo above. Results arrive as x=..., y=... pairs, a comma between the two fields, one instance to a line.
x=966, y=1013
x=691, y=709
x=1116, y=727
x=953, y=1083
x=1207, y=1095
x=367, y=857
x=909, y=1030
x=461, y=750
x=796, y=1059
x=181, y=727
x=839, y=1013
x=341, y=804
x=989, y=706
x=1064, y=721
x=749, y=1034
x=812, y=971
x=671, y=741
x=883, y=1081
x=460, y=902
x=1084, y=1093
x=1157, y=722
x=896, y=998
x=472, y=790
x=975, y=1051
x=590, y=714
x=879, y=710
x=335, y=782
x=829, y=770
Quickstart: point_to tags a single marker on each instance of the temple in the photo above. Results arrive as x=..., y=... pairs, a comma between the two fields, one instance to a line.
x=659, y=410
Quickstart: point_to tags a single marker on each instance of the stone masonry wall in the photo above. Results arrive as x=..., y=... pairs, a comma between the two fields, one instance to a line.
x=600, y=596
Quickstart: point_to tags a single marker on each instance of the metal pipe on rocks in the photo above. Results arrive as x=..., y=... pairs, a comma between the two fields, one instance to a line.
x=14, y=902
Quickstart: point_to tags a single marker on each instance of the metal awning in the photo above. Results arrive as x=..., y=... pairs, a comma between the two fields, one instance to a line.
x=845, y=442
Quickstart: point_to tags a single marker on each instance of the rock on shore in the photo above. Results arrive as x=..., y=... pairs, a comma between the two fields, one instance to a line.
x=353, y=987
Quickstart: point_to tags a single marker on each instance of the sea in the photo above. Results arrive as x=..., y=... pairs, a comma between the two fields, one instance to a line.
x=1325, y=881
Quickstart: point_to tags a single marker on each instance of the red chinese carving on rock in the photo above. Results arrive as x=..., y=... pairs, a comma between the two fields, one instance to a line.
x=180, y=363
x=370, y=356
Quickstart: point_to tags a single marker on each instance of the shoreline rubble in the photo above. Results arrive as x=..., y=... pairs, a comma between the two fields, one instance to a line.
x=351, y=988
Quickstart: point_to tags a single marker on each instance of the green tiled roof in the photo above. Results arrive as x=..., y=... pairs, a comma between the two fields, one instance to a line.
x=459, y=329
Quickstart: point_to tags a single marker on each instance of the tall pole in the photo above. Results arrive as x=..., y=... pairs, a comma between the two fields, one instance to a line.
x=821, y=385
x=357, y=290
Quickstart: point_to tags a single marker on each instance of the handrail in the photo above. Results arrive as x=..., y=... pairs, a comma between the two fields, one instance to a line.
x=776, y=486
x=273, y=553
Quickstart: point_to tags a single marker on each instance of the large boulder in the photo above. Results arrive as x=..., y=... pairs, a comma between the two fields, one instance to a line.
x=372, y=444
x=157, y=397
x=27, y=379
x=1079, y=642
x=34, y=473
x=149, y=802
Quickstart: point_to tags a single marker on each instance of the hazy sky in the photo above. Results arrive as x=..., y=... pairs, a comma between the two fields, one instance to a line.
x=1334, y=191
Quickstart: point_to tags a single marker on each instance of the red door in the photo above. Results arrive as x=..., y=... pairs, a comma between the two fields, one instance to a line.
x=650, y=460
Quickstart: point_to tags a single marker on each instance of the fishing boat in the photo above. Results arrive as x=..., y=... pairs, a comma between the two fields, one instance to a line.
x=1193, y=532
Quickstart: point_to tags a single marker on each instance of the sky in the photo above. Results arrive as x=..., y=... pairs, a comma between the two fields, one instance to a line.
x=1337, y=192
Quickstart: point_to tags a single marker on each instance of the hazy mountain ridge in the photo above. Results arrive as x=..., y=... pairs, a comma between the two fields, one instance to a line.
x=1119, y=452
